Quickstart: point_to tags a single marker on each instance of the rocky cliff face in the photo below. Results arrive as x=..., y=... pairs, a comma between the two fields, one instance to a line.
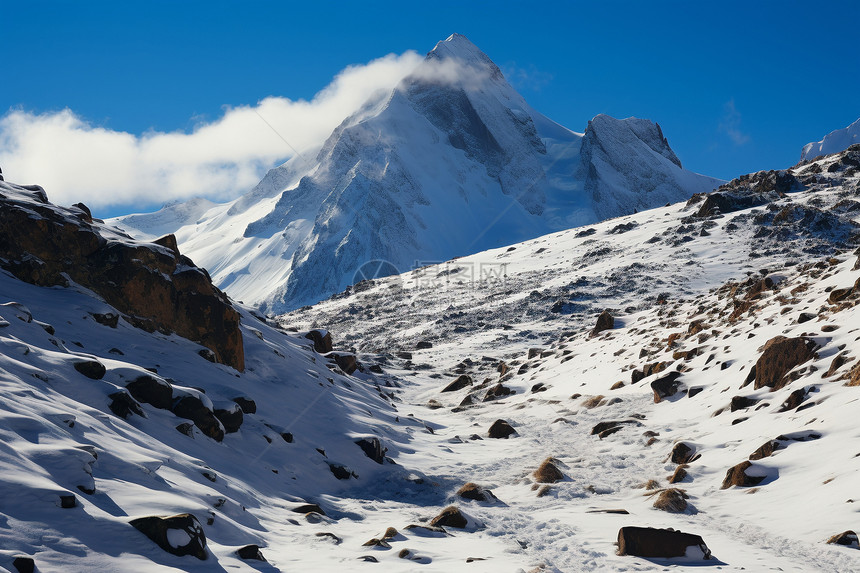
x=152, y=284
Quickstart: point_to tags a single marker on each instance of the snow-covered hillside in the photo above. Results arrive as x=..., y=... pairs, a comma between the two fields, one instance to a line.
x=451, y=162
x=689, y=353
x=833, y=142
x=112, y=431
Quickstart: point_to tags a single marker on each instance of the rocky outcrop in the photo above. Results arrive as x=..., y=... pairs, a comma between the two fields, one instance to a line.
x=737, y=475
x=451, y=516
x=779, y=356
x=501, y=429
x=179, y=534
x=604, y=322
x=475, y=492
x=152, y=284
x=651, y=542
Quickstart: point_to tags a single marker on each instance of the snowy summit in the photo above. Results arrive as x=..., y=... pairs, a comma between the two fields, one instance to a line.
x=452, y=161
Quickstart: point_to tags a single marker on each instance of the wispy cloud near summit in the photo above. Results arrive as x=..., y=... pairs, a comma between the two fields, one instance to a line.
x=76, y=160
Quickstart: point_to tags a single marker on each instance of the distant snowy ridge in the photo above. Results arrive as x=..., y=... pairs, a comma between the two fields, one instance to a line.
x=833, y=142
x=451, y=162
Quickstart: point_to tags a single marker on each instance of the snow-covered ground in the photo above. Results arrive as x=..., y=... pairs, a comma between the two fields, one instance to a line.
x=673, y=278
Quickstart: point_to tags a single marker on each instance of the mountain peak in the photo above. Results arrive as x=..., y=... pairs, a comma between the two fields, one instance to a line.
x=459, y=47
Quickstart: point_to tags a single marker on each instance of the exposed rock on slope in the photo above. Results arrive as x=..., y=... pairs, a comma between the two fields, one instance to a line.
x=151, y=283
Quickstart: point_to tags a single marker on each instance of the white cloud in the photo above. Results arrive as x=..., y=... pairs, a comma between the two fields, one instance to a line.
x=77, y=161
x=731, y=124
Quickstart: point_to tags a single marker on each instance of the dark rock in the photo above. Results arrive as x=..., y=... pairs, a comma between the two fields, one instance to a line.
x=780, y=355
x=805, y=317
x=308, y=508
x=604, y=322
x=92, y=369
x=666, y=386
x=341, y=472
x=322, y=341
x=683, y=454
x=601, y=428
x=693, y=391
x=848, y=538
x=23, y=564
x=287, y=436
x=230, y=418
x=497, y=391
x=207, y=354
x=68, y=501
x=451, y=516
x=501, y=429
x=250, y=553
x=345, y=361
x=109, y=319
x=150, y=390
x=247, y=405
x=737, y=476
x=475, y=492
x=376, y=369
x=766, y=450
x=157, y=528
x=794, y=400
x=373, y=449
x=647, y=370
x=548, y=472
x=741, y=402
x=192, y=408
x=186, y=428
x=663, y=543
x=156, y=289
x=423, y=345
x=679, y=475
x=123, y=405
x=376, y=542
x=461, y=382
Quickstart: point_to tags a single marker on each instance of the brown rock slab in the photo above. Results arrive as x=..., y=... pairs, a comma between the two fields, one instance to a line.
x=652, y=542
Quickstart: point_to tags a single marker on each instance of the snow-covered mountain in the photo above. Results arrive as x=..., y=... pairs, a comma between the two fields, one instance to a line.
x=451, y=162
x=494, y=417
x=833, y=142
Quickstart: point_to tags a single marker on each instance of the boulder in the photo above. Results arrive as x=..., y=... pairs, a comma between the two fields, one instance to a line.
x=647, y=370
x=372, y=448
x=475, y=492
x=679, y=475
x=451, y=516
x=737, y=476
x=192, y=408
x=321, y=339
x=661, y=543
x=231, y=418
x=92, y=369
x=497, y=391
x=20, y=563
x=794, y=400
x=742, y=402
x=308, y=508
x=461, y=382
x=501, y=429
x=604, y=322
x=779, y=356
x=344, y=360
x=548, y=472
x=766, y=450
x=123, y=405
x=666, y=386
x=151, y=390
x=683, y=454
x=250, y=553
x=178, y=534
x=247, y=405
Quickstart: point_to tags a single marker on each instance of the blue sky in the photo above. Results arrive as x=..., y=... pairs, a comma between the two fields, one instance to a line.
x=736, y=86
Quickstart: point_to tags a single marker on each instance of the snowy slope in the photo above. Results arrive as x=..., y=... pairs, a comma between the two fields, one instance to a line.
x=453, y=161
x=833, y=142
x=682, y=284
